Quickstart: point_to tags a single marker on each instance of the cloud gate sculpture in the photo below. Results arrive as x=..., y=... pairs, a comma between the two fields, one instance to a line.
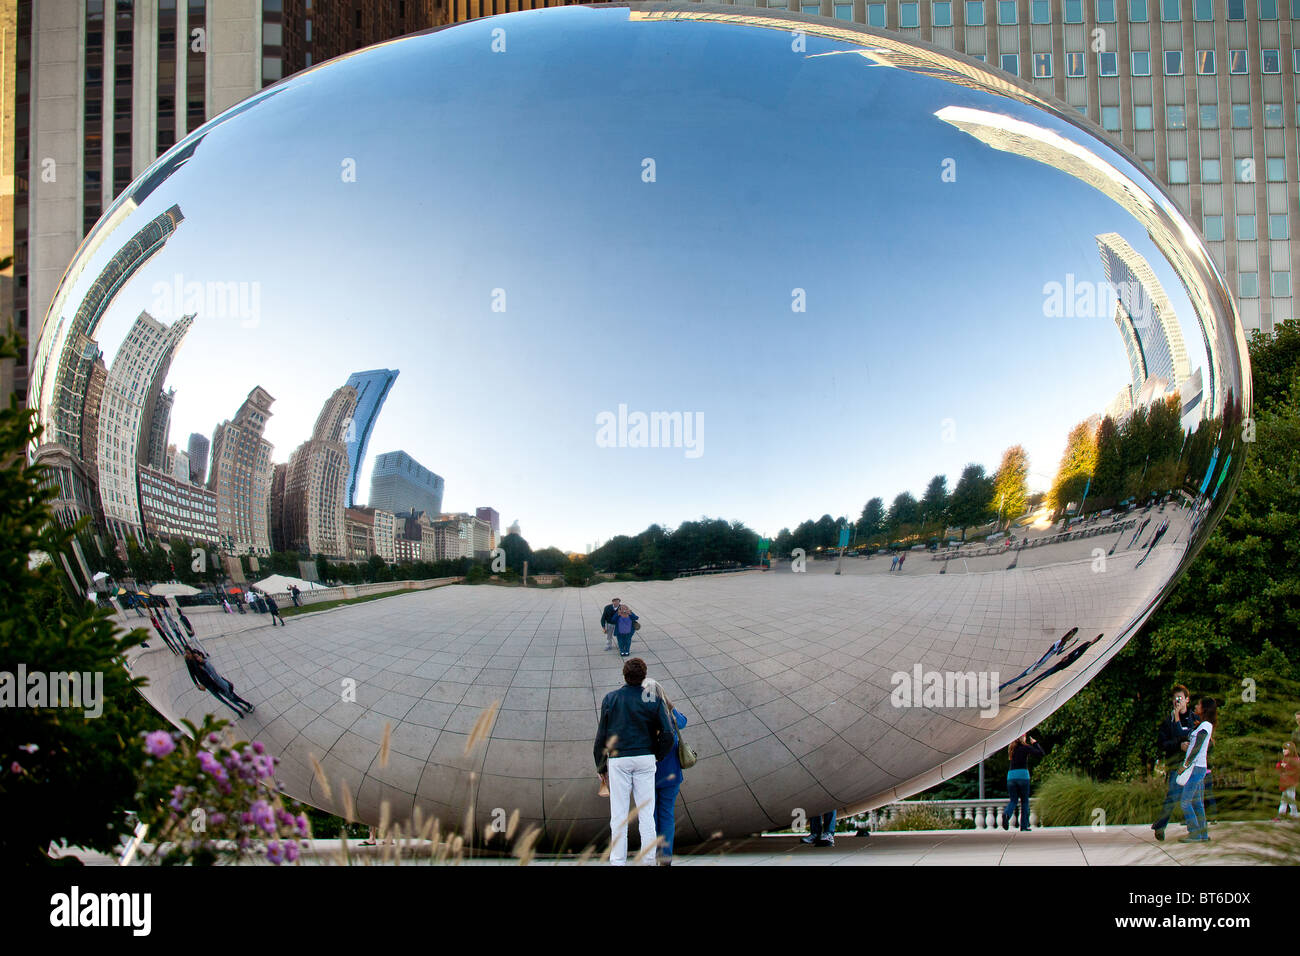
x=613, y=268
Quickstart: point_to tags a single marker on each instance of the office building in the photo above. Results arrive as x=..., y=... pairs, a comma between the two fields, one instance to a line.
x=241, y=477
x=315, y=483
x=399, y=483
x=372, y=389
x=173, y=507
x=198, y=453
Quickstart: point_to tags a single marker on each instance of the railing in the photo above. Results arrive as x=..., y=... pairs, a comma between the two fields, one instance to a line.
x=986, y=814
x=691, y=574
x=1120, y=527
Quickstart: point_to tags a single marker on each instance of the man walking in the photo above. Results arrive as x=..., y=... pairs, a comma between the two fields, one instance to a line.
x=293, y=593
x=607, y=622
x=1172, y=740
x=633, y=734
x=624, y=626
x=274, y=609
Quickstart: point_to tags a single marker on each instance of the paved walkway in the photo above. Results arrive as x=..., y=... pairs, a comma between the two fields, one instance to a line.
x=1046, y=846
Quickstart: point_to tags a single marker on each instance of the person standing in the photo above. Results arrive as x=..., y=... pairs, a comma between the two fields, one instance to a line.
x=624, y=626
x=607, y=622
x=633, y=733
x=901, y=558
x=668, y=780
x=1193, y=770
x=821, y=830
x=273, y=609
x=1172, y=740
x=294, y=593
x=1288, y=779
x=1018, y=780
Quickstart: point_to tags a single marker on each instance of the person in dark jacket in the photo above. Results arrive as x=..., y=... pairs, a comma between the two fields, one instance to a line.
x=624, y=627
x=607, y=622
x=205, y=676
x=633, y=734
x=1172, y=740
x=668, y=780
x=274, y=610
x=1018, y=779
x=293, y=593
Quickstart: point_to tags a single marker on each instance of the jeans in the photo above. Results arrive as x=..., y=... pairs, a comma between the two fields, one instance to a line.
x=1194, y=805
x=631, y=779
x=609, y=634
x=1018, y=790
x=823, y=826
x=624, y=642
x=665, y=816
x=1172, y=796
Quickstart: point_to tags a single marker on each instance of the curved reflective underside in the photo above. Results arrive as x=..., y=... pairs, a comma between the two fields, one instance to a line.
x=603, y=268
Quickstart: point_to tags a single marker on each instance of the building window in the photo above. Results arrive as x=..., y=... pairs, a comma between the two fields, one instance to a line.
x=1205, y=62
x=1042, y=65
x=974, y=13
x=1137, y=11
x=1176, y=117
x=1214, y=228
x=941, y=13
x=1040, y=11
x=1282, y=285
x=909, y=14
x=1011, y=63
x=876, y=15
x=1141, y=63
x=844, y=11
x=1271, y=61
x=1295, y=59
x=1248, y=285
x=1110, y=118
x=1108, y=64
x=1275, y=169
x=1236, y=9
x=1295, y=9
x=1074, y=64
x=1245, y=170
x=1178, y=170
x=1241, y=116
x=1268, y=9
x=1277, y=226
x=1246, y=227
x=1006, y=11
x=1203, y=10
x=1211, y=171
x=811, y=9
x=1272, y=114
x=1073, y=11
x=1142, y=117
x=1173, y=62
x=1170, y=11
x=1209, y=116
x=1105, y=11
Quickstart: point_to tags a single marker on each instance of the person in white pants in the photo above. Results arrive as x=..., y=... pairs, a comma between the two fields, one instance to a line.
x=631, y=777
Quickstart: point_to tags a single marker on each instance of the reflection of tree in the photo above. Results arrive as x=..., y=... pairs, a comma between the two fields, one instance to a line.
x=872, y=521
x=903, y=513
x=934, y=503
x=1011, y=484
x=1077, y=466
x=969, y=504
x=1147, y=454
x=709, y=542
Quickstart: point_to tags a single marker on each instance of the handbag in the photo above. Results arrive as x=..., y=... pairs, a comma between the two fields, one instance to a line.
x=1183, y=777
x=636, y=625
x=686, y=754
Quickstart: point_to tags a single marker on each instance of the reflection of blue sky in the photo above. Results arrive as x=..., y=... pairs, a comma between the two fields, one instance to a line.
x=521, y=171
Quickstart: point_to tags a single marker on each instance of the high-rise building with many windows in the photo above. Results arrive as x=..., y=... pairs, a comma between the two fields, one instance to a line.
x=399, y=483
x=372, y=388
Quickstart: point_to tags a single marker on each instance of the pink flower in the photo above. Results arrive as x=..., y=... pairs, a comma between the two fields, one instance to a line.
x=273, y=853
x=159, y=743
x=290, y=851
x=15, y=767
x=258, y=747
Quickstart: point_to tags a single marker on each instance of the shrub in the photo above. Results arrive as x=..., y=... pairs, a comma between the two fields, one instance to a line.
x=926, y=818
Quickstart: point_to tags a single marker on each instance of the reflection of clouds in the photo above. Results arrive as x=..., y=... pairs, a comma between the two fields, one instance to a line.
x=1166, y=226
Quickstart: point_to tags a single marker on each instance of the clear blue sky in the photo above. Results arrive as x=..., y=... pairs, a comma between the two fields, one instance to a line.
x=522, y=171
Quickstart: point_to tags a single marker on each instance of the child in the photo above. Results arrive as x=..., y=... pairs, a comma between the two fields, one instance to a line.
x=1289, y=776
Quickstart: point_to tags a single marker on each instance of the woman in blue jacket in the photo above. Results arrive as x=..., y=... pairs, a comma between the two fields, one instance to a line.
x=668, y=780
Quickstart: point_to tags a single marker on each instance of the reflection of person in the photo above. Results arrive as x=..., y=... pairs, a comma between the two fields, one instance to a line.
x=1018, y=780
x=1193, y=770
x=607, y=622
x=1295, y=734
x=1288, y=779
x=624, y=625
x=274, y=610
x=633, y=732
x=294, y=593
x=901, y=558
x=668, y=780
x=1172, y=740
x=185, y=622
x=205, y=676
x=1057, y=646
x=1061, y=665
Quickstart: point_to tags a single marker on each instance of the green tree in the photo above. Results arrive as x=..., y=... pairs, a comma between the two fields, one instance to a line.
x=516, y=551
x=872, y=521
x=1078, y=463
x=903, y=513
x=1108, y=480
x=969, y=504
x=934, y=503
x=1011, y=484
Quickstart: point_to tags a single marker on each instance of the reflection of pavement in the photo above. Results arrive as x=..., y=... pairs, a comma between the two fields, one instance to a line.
x=785, y=678
x=1046, y=846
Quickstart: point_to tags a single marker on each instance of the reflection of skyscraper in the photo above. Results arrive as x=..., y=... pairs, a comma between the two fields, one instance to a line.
x=159, y=417
x=372, y=388
x=131, y=391
x=1152, y=336
x=400, y=483
x=316, y=482
x=198, y=458
x=62, y=371
x=240, y=474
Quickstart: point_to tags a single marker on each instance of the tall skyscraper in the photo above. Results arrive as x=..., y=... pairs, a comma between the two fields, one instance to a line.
x=159, y=416
x=399, y=483
x=316, y=482
x=198, y=449
x=129, y=404
x=372, y=389
x=240, y=474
